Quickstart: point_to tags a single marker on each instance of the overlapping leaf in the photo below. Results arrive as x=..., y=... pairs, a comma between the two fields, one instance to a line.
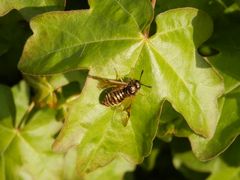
x=227, y=63
x=225, y=166
x=26, y=152
x=227, y=129
x=111, y=36
x=213, y=8
x=115, y=170
x=14, y=32
x=171, y=123
x=56, y=89
x=30, y=8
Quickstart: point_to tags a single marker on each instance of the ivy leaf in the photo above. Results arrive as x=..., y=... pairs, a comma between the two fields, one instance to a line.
x=226, y=132
x=21, y=100
x=171, y=123
x=227, y=63
x=114, y=170
x=225, y=166
x=3, y=47
x=14, y=31
x=227, y=60
x=117, y=26
x=30, y=8
x=48, y=88
x=111, y=36
x=213, y=8
x=204, y=149
x=224, y=56
x=7, y=113
x=26, y=152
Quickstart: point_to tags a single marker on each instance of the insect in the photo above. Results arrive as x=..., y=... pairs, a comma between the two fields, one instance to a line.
x=119, y=90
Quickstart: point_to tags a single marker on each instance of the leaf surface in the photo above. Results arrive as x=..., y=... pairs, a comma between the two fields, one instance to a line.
x=226, y=166
x=30, y=8
x=110, y=37
x=114, y=170
x=225, y=41
x=26, y=152
x=14, y=31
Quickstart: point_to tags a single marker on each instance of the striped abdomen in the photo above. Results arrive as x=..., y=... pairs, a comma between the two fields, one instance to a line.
x=115, y=97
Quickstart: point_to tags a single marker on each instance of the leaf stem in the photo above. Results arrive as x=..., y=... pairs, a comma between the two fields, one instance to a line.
x=26, y=114
x=153, y=3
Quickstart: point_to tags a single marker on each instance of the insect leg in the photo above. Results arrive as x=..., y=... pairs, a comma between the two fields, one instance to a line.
x=117, y=75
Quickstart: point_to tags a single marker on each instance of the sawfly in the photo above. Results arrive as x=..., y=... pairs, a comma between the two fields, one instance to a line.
x=116, y=91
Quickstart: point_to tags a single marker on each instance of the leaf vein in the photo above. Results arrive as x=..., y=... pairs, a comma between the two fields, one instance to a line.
x=85, y=45
x=124, y=9
x=183, y=81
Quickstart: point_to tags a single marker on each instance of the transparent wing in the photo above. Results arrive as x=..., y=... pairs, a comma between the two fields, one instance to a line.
x=107, y=83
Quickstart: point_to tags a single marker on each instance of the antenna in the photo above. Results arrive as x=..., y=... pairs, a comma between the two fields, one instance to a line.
x=140, y=81
x=141, y=76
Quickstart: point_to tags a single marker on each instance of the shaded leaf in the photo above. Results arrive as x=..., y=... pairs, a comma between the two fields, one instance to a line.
x=114, y=170
x=7, y=114
x=226, y=40
x=57, y=89
x=21, y=100
x=227, y=63
x=26, y=152
x=227, y=130
x=14, y=31
x=30, y=8
x=171, y=123
x=225, y=166
x=214, y=8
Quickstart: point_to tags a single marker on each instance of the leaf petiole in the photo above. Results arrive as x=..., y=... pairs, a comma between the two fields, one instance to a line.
x=26, y=115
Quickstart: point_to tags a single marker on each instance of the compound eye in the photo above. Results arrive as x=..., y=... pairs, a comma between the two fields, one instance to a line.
x=132, y=89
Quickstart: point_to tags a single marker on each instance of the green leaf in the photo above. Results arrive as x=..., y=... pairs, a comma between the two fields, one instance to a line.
x=72, y=46
x=226, y=40
x=4, y=46
x=225, y=166
x=188, y=160
x=171, y=123
x=58, y=87
x=150, y=161
x=26, y=152
x=21, y=100
x=115, y=170
x=213, y=8
x=30, y=8
x=7, y=114
x=227, y=63
x=225, y=58
x=14, y=31
x=107, y=38
x=227, y=129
